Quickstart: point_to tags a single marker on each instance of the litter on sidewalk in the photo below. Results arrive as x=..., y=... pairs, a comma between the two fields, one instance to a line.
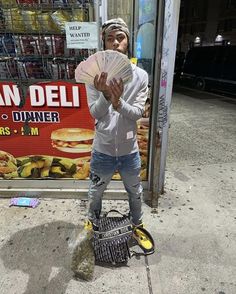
x=24, y=201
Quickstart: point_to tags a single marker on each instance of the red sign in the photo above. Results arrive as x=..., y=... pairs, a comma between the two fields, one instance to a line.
x=52, y=121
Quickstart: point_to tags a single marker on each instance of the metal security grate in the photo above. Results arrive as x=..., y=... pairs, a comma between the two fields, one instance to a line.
x=33, y=42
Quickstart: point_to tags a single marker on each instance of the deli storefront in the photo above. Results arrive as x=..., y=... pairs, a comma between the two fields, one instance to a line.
x=46, y=130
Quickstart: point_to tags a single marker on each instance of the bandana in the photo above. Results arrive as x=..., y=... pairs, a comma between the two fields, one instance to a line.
x=114, y=24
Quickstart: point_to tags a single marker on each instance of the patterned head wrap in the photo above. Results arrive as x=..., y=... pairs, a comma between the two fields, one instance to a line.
x=114, y=24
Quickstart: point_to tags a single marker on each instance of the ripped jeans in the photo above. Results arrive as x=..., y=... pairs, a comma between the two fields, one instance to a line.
x=102, y=169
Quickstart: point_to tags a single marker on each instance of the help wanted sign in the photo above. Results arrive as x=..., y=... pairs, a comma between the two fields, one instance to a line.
x=81, y=35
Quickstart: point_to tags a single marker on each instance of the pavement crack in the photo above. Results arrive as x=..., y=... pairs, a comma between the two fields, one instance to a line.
x=148, y=271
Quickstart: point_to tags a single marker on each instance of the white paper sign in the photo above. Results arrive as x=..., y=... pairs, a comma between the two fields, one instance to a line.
x=81, y=35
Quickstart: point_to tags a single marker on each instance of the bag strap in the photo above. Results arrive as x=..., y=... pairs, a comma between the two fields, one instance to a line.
x=114, y=233
x=114, y=210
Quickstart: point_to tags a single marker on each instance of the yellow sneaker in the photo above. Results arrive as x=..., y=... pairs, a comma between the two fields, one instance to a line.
x=88, y=225
x=144, y=239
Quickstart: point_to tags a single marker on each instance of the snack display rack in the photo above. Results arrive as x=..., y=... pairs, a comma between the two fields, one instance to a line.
x=33, y=41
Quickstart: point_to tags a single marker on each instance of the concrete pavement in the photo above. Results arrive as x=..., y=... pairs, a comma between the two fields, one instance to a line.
x=194, y=225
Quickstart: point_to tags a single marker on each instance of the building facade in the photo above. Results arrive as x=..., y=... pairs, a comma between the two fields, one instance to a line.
x=206, y=23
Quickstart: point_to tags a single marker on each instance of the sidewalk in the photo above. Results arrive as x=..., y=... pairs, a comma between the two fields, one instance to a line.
x=193, y=227
x=35, y=258
x=194, y=232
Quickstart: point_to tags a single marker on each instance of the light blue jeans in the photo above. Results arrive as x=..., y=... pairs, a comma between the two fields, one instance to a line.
x=102, y=168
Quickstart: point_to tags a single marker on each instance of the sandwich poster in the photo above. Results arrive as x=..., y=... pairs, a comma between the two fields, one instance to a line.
x=46, y=133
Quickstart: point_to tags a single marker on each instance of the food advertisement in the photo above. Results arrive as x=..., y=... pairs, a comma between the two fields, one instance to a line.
x=46, y=132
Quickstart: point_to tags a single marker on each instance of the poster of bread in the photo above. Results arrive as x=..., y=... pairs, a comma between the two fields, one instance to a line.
x=48, y=132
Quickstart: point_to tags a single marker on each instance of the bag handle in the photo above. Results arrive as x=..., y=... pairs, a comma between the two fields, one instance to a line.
x=114, y=210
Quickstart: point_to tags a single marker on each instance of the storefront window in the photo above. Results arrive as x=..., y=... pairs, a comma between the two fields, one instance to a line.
x=46, y=129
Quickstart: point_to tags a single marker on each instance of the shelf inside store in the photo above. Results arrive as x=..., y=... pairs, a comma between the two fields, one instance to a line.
x=31, y=32
x=31, y=81
x=49, y=7
x=54, y=58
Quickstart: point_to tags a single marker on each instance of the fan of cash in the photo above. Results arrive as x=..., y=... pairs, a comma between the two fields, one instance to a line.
x=115, y=64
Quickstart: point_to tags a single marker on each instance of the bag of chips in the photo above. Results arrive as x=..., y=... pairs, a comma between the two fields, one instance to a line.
x=60, y=17
x=14, y=20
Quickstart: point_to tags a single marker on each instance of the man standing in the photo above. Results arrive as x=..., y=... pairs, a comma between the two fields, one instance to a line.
x=116, y=108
